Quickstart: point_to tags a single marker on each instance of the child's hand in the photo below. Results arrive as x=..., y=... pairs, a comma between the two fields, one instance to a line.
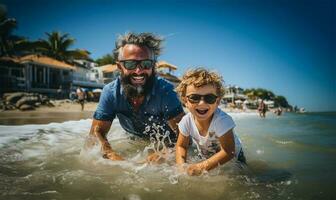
x=181, y=168
x=195, y=169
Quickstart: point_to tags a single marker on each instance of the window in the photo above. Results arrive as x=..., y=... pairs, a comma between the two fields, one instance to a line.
x=17, y=72
x=65, y=73
x=4, y=71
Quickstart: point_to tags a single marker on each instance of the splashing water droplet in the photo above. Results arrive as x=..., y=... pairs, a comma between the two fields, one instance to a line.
x=173, y=179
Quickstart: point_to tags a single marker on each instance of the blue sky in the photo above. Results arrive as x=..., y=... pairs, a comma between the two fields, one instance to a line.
x=285, y=46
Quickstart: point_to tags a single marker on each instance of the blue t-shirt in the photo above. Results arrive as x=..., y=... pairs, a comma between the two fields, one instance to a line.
x=159, y=106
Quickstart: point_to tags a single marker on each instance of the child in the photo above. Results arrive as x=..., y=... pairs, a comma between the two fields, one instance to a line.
x=210, y=129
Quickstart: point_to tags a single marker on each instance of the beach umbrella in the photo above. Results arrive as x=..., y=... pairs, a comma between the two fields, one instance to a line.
x=238, y=101
x=97, y=90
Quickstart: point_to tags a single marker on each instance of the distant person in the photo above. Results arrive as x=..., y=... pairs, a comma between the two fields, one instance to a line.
x=138, y=98
x=207, y=126
x=278, y=111
x=72, y=95
x=296, y=109
x=60, y=92
x=262, y=108
x=81, y=96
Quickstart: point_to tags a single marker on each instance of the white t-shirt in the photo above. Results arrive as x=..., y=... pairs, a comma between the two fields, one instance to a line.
x=220, y=124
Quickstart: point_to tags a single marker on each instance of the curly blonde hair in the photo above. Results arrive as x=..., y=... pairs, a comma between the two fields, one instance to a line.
x=200, y=77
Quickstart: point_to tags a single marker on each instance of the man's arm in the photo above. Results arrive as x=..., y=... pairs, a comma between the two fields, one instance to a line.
x=99, y=130
x=226, y=153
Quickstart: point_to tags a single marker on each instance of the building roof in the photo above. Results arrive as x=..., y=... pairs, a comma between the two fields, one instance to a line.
x=164, y=64
x=39, y=59
x=109, y=68
x=45, y=60
x=10, y=59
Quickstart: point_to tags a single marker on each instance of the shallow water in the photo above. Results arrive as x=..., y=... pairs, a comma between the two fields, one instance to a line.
x=289, y=157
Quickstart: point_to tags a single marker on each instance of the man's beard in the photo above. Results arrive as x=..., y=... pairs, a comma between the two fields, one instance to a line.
x=132, y=91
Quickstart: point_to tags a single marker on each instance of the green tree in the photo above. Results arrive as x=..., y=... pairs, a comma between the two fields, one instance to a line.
x=251, y=94
x=105, y=60
x=9, y=44
x=281, y=101
x=260, y=93
x=57, y=46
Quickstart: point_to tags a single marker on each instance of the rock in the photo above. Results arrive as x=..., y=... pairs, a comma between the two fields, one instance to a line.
x=26, y=107
x=14, y=97
x=30, y=100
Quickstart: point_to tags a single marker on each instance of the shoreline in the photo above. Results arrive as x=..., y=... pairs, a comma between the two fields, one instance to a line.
x=65, y=110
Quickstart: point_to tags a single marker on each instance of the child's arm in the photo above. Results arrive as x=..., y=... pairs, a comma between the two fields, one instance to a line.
x=181, y=148
x=226, y=153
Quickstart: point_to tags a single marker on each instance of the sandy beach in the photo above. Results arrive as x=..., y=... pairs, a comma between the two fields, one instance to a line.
x=61, y=112
x=65, y=110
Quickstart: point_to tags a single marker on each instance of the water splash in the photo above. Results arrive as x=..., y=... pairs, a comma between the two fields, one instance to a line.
x=173, y=179
x=158, y=138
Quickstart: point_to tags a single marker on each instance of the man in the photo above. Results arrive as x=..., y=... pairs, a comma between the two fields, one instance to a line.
x=138, y=97
x=81, y=97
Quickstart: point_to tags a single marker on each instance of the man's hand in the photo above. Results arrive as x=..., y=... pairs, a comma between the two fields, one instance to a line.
x=157, y=157
x=112, y=156
x=196, y=169
x=108, y=153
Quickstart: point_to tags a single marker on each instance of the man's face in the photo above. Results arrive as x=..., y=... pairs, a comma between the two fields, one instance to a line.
x=137, y=76
x=136, y=81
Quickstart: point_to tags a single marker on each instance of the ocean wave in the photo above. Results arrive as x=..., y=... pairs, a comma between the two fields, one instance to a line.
x=284, y=142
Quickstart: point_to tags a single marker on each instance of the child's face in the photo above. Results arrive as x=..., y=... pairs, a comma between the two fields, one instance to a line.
x=201, y=108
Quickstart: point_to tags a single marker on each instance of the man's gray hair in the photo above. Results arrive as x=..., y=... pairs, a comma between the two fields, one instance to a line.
x=149, y=40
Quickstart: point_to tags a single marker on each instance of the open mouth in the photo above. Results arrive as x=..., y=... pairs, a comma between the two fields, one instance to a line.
x=138, y=79
x=202, y=111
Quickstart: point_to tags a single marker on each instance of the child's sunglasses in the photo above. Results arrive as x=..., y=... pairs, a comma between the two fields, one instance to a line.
x=196, y=98
x=133, y=64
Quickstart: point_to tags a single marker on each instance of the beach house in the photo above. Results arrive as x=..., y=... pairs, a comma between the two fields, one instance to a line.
x=42, y=74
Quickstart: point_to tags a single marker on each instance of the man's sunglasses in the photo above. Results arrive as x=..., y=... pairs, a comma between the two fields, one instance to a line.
x=196, y=98
x=133, y=64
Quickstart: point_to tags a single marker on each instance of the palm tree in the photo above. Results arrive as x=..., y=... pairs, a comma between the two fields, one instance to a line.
x=12, y=45
x=57, y=46
x=8, y=41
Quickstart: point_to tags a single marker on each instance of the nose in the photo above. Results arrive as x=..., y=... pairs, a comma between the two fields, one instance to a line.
x=201, y=101
x=138, y=69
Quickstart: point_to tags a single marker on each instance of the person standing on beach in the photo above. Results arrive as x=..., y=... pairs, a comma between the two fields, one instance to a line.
x=262, y=108
x=60, y=92
x=81, y=97
x=137, y=97
x=209, y=128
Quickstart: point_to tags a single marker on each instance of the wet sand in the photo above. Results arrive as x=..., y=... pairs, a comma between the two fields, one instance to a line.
x=63, y=111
